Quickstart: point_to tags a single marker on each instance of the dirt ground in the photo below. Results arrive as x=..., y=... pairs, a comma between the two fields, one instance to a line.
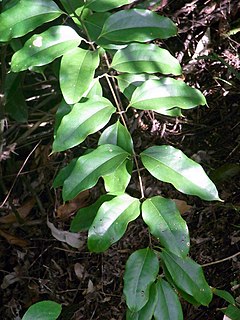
x=35, y=266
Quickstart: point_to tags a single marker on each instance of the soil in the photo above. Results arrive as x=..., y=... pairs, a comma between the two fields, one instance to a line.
x=35, y=266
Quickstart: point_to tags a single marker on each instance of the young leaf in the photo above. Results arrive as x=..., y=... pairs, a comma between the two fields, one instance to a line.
x=141, y=270
x=117, y=181
x=118, y=135
x=43, y=310
x=224, y=295
x=111, y=222
x=137, y=25
x=149, y=58
x=102, y=6
x=85, y=118
x=169, y=164
x=164, y=94
x=188, y=276
x=168, y=306
x=90, y=167
x=166, y=224
x=43, y=48
x=129, y=82
x=85, y=216
x=76, y=73
x=25, y=16
x=146, y=313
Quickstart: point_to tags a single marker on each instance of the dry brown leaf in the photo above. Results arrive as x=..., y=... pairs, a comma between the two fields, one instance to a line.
x=13, y=240
x=65, y=210
x=182, y=206
x=23, y=211
x=79, y=270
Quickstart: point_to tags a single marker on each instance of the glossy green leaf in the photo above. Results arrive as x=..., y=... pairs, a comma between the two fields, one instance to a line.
x=111, y=222
x=94, y=24
x=188, y=276
x=118, y=135
x=137, y=25
x=43, y=48
x=146, y=313
x=90, y=167
x=85, y=216
x=105, y=5
x=76, y=73
x=232, y=312
x=43, y=310
x=71, y=6
x=24, y=17
x=94, y=89
x=168, y=306
x=117, y=181
x=224, y=295
x=166, y=224
x=141, y=270
x=84, y=119
x=164, y=94
x=129, y=82
x=169, y=164
x=149, y=58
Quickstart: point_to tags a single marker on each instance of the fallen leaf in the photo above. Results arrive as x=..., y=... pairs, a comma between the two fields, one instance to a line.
x=182, y=206
x=66, y=210
x=23, y=212
x=79, y=270
x=73, y=239
x=13, y=240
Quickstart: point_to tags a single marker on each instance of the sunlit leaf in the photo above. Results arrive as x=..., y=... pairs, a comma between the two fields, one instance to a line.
x=76, y=73
x=43, y=48
x=169, y=164
x=141, y=271
x=168, y=306
x=90, y=167
x=85, y=118
x=25, y=16
x=104, y=5
x=111, y=222
x=43, y=310
x=164, y=94
x=137, y=25
x=188, y=276
x=166, y=224
x=149, y=58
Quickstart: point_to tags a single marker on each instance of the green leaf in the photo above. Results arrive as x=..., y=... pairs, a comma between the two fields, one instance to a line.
x=118, y=135
x=84, y=119
x=224, y=295
x=166, y=224
x=111, y=222
x=101, y=6
x=129, y=82
x=232, y=312
x=94, y=24
x=137, y=25
x=85, y=216
x=224, y=173
x=63, y=110
x=43, y=48
x=94, y=89
x=71, y=6
x=76, y=73
x=25, y=16
x=188, y=276
x=43, y=310
x=117, y=181
x=146, y=313
x=141, y=270
x=90, y=167
x=168, y=306
x=166, y=93
x=149, y=58
x=169, y=164
x=64, y=173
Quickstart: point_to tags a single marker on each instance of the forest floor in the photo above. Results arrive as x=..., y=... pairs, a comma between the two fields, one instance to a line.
x=35, y=266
